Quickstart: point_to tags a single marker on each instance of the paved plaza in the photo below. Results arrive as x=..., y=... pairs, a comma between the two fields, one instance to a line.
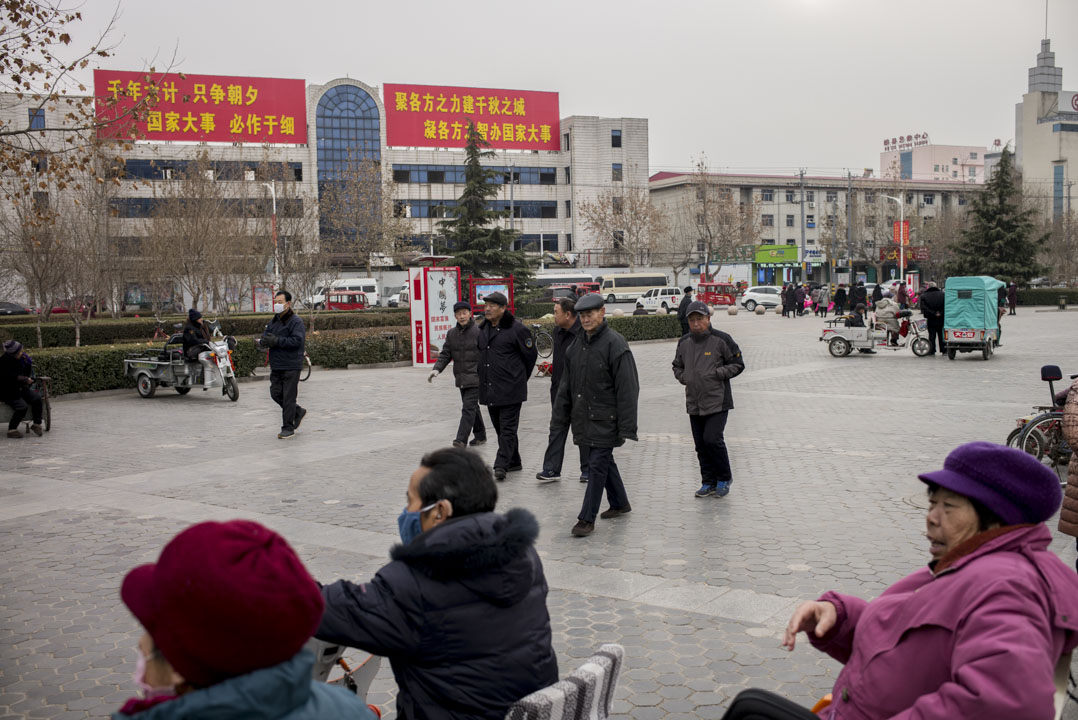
x=825, y=453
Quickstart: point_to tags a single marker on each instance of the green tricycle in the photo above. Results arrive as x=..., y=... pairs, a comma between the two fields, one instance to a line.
x=971, y=315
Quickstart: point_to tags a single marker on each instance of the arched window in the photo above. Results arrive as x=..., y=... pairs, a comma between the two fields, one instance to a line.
x=348, y=132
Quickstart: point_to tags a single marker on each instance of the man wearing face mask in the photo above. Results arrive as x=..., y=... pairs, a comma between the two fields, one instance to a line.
x=285, y=337
x=226, y=610
x=460, y=611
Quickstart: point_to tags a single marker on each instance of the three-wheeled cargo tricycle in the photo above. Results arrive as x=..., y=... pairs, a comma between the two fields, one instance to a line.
x=971, y=315
x=167, y=367
x=841, y=341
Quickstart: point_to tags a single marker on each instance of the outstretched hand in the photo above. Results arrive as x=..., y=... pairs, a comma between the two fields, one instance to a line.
x=816, y=617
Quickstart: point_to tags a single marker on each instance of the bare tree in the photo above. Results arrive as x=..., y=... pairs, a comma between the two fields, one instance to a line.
x=625, y=221
x=725, y=221
x=679, y=245
x=359, y=216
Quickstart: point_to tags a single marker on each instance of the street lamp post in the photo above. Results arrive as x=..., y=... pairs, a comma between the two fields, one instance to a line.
x=273, y=226
x=901, y=237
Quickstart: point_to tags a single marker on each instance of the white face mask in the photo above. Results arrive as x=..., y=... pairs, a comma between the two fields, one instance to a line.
x=278, y=308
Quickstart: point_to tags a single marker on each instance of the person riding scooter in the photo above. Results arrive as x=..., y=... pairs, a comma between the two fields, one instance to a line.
x=887, y=314
x=196, y=338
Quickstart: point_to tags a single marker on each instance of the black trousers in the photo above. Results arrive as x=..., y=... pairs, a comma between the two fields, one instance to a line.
x=506, y=420
x=838, y=308
x=707, y=433
x=603, y=475
x=24, y=399
x=555, y=448
x=935, y=335
x=284, y=386
x=471, y=420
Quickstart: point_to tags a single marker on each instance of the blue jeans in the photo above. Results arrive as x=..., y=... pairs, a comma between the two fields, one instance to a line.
x=602, y=475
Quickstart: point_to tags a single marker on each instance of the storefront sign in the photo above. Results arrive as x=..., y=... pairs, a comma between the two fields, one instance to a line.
x=437, y=116
x=776, y=255
x=434, y=292
x=197, y=108
x=905, y=142
x=915, y=253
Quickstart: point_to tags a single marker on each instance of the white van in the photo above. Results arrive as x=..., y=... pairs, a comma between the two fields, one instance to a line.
x=364, y=285
x=631, y=286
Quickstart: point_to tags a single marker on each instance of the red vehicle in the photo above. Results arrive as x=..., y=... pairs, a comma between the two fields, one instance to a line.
x=588, y=287
x=716, y=293
x=347, y=300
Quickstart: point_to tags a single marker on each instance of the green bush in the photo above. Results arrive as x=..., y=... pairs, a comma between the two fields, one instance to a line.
x=61, y=333
x=646, y=327
x=529, y=311
x=1047, y=296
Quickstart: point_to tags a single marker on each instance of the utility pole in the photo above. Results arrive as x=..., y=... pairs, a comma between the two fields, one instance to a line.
x=801, y=173
x=834, y=234
x=849, y=222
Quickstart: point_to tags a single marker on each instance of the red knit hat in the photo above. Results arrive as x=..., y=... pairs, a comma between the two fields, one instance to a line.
x=225, y=599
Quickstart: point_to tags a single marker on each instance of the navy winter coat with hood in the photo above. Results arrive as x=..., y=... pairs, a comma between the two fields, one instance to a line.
x=461, y=614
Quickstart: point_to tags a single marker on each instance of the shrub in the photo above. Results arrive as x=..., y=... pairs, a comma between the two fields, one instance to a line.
x=1047, y=296
x=527, y=311
x=646, y=327
x=61, y=333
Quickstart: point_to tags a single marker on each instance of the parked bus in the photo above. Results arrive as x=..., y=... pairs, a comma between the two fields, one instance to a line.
x=576, y=278
x=619, y=288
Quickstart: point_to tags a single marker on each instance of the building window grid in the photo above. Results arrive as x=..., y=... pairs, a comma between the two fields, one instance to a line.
x=455, y=174
x=615, y=172
x=767, y=220
x=615, y=138
x=37, y=118
x=767, y=195
x=790, y=221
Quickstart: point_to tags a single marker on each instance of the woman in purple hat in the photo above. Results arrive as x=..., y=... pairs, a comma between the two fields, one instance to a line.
x=979, y=632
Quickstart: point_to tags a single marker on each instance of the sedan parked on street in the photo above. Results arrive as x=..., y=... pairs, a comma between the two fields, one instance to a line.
x=766, y=295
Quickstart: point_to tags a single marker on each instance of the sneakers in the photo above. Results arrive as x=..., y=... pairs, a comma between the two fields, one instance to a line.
x=705, y=490
x=499, y=474
x=583, y=477
x=300, y=414
x=458, y=444
x=614, y=512
x=583, y=529
x=286, y=434
x=16, y=433
x=723, y=488
x=477, y=441
x=36, y=429
x=547, y=476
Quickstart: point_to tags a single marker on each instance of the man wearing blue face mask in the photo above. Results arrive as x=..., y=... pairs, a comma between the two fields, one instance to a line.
x=460, y=611
x=285, y=337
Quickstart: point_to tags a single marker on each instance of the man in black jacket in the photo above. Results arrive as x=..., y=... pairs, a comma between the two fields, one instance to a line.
x=15, y=381
x=566, y=332
x=682, y=308
x=460, y=611
x=598, y=395
x=461, y=347
x=858, y=294
x=507, y=356
x=840, y=299
x=932, y=309
x=704, y=362
x=285, y=337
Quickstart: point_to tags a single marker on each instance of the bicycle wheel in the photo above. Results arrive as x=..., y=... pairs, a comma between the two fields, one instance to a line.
x=544, y=344
x=306, y=372
x=1055, y=452
x=1034, y=443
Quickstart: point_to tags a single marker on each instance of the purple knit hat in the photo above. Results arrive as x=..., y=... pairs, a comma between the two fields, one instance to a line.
x=1014, y=485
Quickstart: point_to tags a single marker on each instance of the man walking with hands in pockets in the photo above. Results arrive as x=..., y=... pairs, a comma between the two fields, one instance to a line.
x=461, y=347
x=705, y=361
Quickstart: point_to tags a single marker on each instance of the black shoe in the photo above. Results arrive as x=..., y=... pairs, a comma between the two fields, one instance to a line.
x=286, y=434
x=499, y=474
x=300, y=414
x=582, y=529
x=583, y=477
x=614, y=512
x=515, y=468
x=548, y=476
x=477, y=441
x=458, y=443
x=36, y=429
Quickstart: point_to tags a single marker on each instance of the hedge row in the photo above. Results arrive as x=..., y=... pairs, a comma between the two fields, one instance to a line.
x=101, y=367
x=639, y=327
x=1047, y=296
x=108, y=331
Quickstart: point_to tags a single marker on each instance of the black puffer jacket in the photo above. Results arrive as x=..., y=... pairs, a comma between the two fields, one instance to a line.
x=704, y=364
x=461, y=614
x=291, y=337
x=461, y=347
x=507, y=356
x=932, y=305
x=599, y=391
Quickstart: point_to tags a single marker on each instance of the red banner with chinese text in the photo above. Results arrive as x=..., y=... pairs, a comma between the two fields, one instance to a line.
x=902, y=237
x=211, y=108
x=437, y=116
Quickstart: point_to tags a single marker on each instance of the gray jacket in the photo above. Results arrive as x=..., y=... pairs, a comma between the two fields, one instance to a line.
x=461, y=347
x=704, y=364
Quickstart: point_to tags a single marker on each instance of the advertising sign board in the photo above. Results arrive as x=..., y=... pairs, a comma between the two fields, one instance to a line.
x=437, y=116
x=202, y=108
x=434, y=292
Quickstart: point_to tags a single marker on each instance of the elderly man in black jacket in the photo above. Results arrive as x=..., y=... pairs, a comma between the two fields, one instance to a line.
x=704, y=362
x=461, y=610
x=507, y=356
x=932, y=308
x=565, y=333
x=598, y=395
x=461, y=347
x=285, y=337
x=682, y=308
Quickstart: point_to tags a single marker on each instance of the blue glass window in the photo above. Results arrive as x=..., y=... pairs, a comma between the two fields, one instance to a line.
x=347, y=127
x=1057, y=192
x=37, y=118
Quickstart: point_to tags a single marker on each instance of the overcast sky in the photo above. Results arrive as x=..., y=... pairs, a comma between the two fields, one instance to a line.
x=758, y=85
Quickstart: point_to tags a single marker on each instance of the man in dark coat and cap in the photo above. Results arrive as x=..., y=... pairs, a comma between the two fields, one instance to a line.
x=15, y=381
x=461, y=347
x=507, y=356
x=683, y=308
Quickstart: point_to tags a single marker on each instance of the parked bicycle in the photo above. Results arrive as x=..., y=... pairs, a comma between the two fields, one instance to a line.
x=1041, y=434
x=544, y=341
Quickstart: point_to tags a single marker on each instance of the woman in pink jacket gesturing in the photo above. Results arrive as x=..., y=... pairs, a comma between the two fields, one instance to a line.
x=979, y=631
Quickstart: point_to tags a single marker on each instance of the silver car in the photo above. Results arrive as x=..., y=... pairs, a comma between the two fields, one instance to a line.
x=767, y=295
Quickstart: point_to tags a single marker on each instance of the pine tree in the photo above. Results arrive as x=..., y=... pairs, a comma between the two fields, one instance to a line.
x=1000, y=238
x=479, y=247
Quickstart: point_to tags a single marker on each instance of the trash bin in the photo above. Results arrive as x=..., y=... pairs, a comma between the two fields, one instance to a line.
x=1062, y=302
